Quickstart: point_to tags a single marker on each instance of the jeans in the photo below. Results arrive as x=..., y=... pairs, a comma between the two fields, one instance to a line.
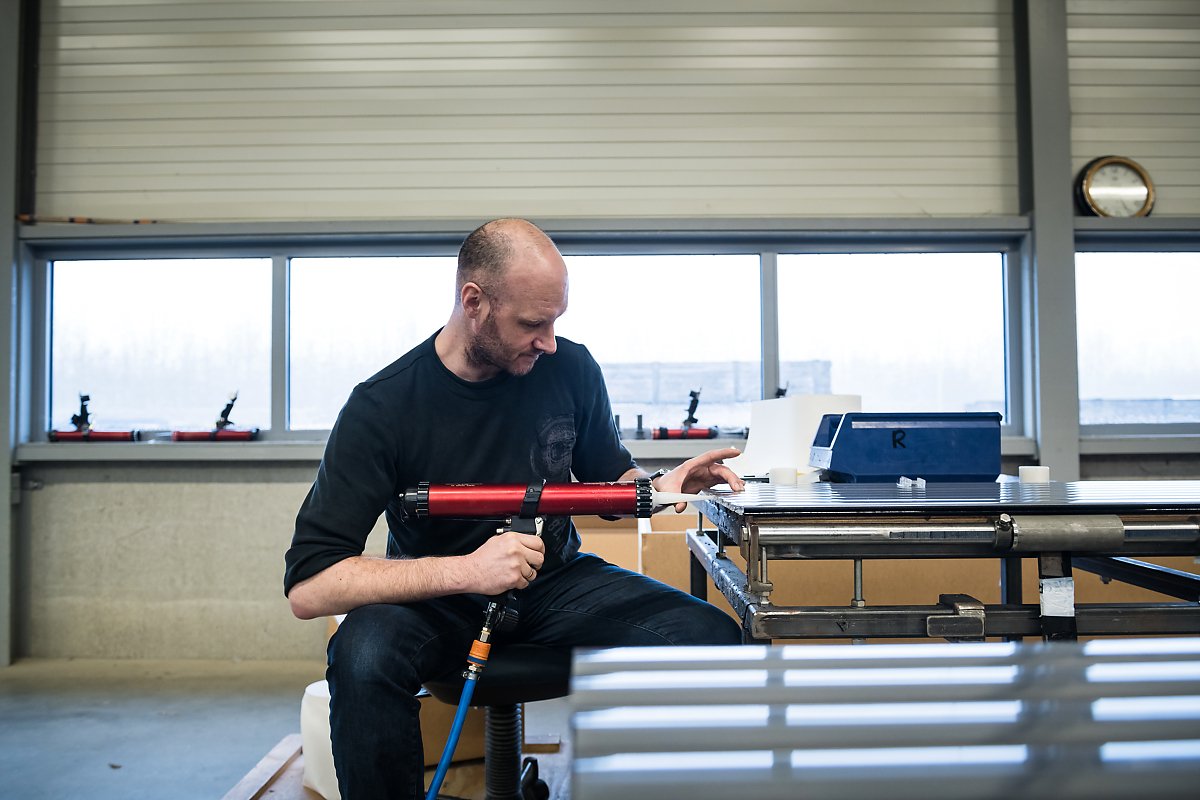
x=381, y=654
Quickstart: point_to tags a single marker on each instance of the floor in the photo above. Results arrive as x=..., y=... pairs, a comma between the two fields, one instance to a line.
x=137, y=730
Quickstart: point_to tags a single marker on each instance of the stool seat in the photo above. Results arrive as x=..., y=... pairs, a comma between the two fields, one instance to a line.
x=518, y=673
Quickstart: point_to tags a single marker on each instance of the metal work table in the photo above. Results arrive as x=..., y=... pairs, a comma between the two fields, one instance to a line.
x=1095, y=526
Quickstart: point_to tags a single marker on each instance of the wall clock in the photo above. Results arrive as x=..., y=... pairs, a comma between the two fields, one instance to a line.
x=1114, y=186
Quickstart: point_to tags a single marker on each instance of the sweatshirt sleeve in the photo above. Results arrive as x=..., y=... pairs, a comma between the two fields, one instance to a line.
x=355, y=482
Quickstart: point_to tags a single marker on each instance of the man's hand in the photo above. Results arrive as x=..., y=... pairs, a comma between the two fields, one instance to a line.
x=700, y=473
x=507, y=561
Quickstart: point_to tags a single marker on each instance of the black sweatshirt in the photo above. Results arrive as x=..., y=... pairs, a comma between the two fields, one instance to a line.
x=417, y=421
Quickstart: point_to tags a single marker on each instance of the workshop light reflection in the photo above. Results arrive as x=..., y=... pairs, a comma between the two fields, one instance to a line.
x=1143, y=671
x=1114, y=709
x=673, y=679
x=708, y=655
x=1171, y=750
x=922, y=676
x=865, y=758
x=1141, y=647
x=736, y=716
x=676, y=762
x=904, y=713
x=892, y=651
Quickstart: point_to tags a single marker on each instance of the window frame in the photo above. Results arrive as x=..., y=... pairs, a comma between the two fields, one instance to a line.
x=1117, y=236
x=1006, y=235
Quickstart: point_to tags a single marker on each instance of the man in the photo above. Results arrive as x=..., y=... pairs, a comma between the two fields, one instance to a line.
x=493, y=397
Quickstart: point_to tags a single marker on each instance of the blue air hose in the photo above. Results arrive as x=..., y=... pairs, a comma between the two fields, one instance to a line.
x=476, y=661
x=452, y=740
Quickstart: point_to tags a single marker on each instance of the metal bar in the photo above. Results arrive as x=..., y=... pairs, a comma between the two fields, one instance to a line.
x=1048, y=269
x=729, y=580
x=280, y=345
x=821, y=622
x=769, y=309
x=14, y=90
x=1056, y=588
x=933, y=549
x=1156, y=578
x=1012, y=590
x=1011, y=580
x=698, y=578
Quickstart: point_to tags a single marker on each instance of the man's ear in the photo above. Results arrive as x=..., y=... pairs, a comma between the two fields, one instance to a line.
x=473, y=300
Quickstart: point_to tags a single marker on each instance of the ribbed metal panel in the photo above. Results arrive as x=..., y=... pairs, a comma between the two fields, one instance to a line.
x=1135, y=91
x=469, y=109
x=1113, y=719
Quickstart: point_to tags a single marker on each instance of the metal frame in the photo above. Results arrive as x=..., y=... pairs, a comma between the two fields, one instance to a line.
x=11, y=19
x=1101, y=544
x=1048, y=271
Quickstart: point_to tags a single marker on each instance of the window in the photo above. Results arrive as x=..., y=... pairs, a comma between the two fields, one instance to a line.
x=350, y=318
x=662, y=326
x=1139, y=344
x=160, y=344
x=906, y=331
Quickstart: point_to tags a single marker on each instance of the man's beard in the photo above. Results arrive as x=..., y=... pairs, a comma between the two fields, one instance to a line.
x=486, y=349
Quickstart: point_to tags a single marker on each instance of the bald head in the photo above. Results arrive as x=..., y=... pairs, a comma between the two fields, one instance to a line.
x=497, y=248
x=512, y=287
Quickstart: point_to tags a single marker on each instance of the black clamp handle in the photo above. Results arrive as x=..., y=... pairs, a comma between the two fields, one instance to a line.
x=533, y=498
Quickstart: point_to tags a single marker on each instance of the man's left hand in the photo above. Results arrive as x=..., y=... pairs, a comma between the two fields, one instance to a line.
x=701, y=472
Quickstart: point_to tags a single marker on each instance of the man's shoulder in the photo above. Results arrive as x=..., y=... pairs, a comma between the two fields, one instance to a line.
x=572, y=363
x=401, y=372
x=572, y=354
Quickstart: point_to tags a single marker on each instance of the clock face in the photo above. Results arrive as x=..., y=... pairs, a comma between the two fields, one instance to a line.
x=1116, y=187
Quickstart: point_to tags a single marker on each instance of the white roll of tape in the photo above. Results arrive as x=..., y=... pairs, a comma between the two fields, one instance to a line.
x=1033, y=474
x=783, y=476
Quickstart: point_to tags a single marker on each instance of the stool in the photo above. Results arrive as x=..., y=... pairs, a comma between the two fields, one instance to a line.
x=515, y=674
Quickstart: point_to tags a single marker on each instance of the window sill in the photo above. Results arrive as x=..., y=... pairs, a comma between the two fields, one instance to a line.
x=1140, y=445
x=306, y=450
x=311, y=450
x=642, y=450
x=50, y=452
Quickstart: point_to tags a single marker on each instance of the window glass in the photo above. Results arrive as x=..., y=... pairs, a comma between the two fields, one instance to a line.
x=907, y=331
x=161, y=343
x=1139, y=344
x=351, y=317
x=662, y=326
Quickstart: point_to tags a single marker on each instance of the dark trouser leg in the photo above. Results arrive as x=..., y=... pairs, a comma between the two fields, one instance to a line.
x=590, y=603
x=378, y=659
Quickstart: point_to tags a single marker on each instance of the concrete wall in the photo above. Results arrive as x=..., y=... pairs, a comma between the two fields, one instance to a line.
x=160, y=561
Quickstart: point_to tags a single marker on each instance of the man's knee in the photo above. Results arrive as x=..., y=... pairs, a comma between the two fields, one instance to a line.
x=691, y=621
x=367, y=648
x=707, y=624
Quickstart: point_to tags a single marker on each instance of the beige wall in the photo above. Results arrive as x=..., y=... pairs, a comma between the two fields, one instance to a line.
x=159, y=561
x=186, y=560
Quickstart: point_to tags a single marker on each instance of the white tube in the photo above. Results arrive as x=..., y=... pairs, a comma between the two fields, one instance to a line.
x=658, y=498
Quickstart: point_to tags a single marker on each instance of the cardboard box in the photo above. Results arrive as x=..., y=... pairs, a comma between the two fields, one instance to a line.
x=616, y=542
x=666, y=558
x=436, y=720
